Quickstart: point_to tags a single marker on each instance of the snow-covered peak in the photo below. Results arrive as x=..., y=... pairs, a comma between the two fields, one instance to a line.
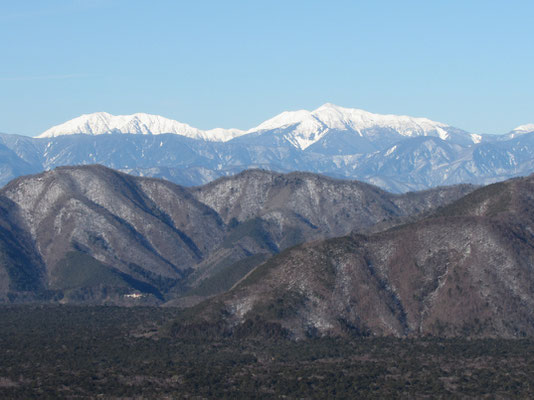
x=307, y=127
x=301, y=128
x=336, y=117
x=527, y=128
x=101, y=123
x=286, y=119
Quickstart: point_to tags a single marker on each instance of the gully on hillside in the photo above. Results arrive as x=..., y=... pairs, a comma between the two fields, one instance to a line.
x=94, y=235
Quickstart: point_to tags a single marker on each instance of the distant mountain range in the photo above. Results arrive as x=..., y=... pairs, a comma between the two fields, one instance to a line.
x=397, y=153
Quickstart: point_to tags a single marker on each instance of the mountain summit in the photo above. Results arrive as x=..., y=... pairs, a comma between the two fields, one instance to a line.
x=92, y=234
x=144, y=124
x=309, y=127
x=301, y=128
x=397, y=153
x=527, y=128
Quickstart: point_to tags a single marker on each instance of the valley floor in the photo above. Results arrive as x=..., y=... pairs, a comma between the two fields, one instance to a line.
x=122, y=353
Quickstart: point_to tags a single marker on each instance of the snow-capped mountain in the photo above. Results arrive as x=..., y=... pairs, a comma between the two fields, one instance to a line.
x=300, y=128
x=309, y=127
x=101, y=123
x=527, y=128
x=398, y=153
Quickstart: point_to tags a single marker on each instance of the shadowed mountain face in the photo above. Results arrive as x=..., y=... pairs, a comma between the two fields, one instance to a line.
x=91, y=234
x=21, y=269
x=466, y=269
x=97, y=222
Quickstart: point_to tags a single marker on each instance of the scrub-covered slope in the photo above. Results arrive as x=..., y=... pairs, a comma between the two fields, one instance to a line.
x=92, y=234
x=465, y=270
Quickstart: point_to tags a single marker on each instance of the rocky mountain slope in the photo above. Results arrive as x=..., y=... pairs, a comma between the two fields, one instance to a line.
x=92, y=234
x=397, y=153
x=465, y=269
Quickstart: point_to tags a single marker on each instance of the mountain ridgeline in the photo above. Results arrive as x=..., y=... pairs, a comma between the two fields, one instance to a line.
x=93, y=235
x=295, y=255
x=465, y=269
x=396, y=153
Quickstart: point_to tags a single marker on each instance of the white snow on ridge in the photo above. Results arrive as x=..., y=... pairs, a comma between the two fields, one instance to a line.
x=288, y=118
x=311, y=126
x=524, y=128
x=142, y=124
x=303, y=127
x=222, y=134
x=336, y=117
x=476, y=138
x=307, y=127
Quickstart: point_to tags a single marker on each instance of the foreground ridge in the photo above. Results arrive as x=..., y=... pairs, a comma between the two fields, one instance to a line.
x=90, y=234
x=462, y=270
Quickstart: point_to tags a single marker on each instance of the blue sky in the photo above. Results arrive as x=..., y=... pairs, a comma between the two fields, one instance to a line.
x=237, y=63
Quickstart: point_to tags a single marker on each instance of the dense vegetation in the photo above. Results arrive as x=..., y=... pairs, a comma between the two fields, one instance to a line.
x=80, y=352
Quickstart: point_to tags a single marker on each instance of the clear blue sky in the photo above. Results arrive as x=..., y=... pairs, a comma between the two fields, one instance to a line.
x=236, y=63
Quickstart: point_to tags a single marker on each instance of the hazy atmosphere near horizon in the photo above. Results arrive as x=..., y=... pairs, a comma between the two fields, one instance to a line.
x=234, y=64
